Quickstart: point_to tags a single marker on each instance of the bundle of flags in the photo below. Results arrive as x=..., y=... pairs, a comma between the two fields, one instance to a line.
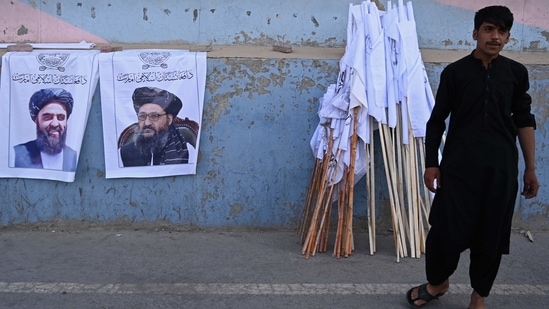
x=382, y=89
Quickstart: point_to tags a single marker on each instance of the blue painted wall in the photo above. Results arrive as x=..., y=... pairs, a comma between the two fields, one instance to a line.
x=259, y=114
x=254, y=166
x=320, y=23
x=255, y=160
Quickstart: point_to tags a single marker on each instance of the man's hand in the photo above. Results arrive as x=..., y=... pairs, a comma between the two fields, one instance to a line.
x=531, y=184
x=432, y=179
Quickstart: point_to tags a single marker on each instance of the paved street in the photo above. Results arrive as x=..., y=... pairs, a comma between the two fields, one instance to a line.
x=48, y=266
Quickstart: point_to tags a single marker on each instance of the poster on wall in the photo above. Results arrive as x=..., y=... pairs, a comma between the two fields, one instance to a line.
x=46, y=97
x=152, y=102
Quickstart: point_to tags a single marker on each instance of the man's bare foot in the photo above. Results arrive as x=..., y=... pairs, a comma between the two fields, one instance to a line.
x=477, y=301
x=433, y=290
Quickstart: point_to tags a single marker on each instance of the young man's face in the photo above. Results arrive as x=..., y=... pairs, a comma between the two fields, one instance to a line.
x=51, y=125
x=149, y=128
x=490, y=39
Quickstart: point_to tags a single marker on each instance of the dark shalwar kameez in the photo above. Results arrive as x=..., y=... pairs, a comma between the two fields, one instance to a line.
x=479, y=167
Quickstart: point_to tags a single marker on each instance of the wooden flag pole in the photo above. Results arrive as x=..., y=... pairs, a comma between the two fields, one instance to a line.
x=414, y=197
x=340, y=215
x=314, y=218
x=310, y=198
x=397, y=185
x=371, y=189
x=388, y=172
x=349, y=211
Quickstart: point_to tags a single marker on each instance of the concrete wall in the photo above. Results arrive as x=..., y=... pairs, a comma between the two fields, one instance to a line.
x=441, y=24
x=260, y=106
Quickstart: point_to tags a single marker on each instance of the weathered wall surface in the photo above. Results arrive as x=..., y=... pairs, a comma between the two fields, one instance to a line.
x=441, y=24
x=254, y=161
x=260, y=106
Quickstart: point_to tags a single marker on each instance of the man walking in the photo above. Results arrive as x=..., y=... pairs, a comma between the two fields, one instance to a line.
x=476, y=184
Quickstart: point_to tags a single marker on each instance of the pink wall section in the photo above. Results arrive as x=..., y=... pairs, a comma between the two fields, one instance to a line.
x=529, y=12
x=24, y=23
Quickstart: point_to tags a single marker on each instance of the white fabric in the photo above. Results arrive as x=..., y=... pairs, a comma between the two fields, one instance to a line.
x=24, y=73
x=375, y=63
x=357, y=54
x=358, y=85
x=52, y=162
x=419, y=99
x=381, y=68
x=392, y=49
x=180, y=72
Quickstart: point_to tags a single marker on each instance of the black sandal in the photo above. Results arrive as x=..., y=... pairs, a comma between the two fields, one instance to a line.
x=422, y=294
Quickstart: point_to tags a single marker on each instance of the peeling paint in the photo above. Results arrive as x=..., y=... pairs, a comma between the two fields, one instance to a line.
x=324, y=67
x=263, y=83
x=22, y=30
x=540, y=95
x=211, y=175
x=277, y=79
x=321, y=87
x=58, y=9
x=447, y=42
x=315, y=22
x=329, y=42
x=195, y=15
x=545, y=34
x=535, y=46
x=236, y=209
x=221, y=106
x=244, y=38
x=305, y=84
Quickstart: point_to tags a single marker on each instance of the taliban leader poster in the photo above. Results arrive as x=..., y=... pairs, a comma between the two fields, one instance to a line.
x=45, y=97
x=152, y=102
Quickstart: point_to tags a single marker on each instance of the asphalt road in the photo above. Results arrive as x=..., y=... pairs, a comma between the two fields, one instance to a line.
x=49, y=266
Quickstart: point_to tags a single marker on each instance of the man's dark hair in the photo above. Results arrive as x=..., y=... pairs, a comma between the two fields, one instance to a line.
x=498, y=15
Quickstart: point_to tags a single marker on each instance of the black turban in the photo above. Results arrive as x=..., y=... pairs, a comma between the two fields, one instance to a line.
x=165, y=99
x=44, y=96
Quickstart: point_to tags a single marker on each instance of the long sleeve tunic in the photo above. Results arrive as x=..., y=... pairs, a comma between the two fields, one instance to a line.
x=479, y=166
